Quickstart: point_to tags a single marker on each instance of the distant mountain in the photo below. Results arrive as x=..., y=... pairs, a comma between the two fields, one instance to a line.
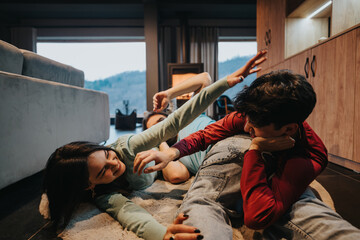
x=231, y=66
x=131, y=86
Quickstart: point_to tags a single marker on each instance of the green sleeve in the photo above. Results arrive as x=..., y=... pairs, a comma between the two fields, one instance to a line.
x=179, y=119
x=131, y=216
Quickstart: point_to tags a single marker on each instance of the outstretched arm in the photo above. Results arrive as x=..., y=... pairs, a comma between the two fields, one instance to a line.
x=192, y=84
x=185, y=114
x=136, y=219
x=163, y=158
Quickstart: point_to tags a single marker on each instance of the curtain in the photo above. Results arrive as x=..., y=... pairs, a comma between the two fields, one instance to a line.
x=204, y=49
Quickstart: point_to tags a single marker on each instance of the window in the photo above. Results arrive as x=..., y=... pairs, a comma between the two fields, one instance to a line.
x=115, y=68
x=231, y=56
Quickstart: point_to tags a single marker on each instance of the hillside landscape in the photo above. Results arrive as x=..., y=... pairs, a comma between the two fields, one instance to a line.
x=131, y=86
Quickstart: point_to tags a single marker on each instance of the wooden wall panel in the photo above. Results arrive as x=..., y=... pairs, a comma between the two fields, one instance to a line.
x=357, y=101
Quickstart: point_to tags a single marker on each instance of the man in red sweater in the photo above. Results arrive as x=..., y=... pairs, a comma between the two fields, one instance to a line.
x=283, y=157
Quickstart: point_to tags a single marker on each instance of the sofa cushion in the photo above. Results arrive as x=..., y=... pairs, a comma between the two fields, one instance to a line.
x=11, y=58
x=41, y=67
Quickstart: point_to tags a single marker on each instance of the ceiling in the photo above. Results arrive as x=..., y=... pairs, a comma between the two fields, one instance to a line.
x=16, y=11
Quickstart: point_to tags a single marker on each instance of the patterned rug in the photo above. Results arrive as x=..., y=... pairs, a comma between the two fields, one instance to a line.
x=162, y=200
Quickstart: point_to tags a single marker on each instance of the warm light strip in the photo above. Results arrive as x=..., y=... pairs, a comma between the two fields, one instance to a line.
x=319, y=9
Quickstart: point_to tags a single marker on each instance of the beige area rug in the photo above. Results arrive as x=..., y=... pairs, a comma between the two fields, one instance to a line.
x=162, y=200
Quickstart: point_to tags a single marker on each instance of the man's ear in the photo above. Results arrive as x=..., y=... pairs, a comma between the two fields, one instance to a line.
x=291, y=128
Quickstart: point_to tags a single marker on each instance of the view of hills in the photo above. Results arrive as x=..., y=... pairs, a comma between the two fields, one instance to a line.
x=131, y=86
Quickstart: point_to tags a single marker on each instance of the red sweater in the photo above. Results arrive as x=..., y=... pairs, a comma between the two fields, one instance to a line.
x=265, y=201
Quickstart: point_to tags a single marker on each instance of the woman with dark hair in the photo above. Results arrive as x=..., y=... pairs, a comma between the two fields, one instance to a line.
x=81, y=171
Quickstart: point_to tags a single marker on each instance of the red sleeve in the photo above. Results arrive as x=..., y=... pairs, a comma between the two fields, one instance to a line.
x=265, y=202
x=230, y=125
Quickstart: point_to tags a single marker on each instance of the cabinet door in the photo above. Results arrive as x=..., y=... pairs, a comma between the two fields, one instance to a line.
x=277, y=31
x=270, y=29
x=334, y=83
x=357, y=100
x=300, y=64
x=262, y=26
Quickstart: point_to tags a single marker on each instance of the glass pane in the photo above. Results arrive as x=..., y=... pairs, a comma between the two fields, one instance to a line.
x=115, y=68
x=233, y=55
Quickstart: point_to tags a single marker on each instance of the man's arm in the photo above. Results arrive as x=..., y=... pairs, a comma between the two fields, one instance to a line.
x=266, y=201
x=192, y=84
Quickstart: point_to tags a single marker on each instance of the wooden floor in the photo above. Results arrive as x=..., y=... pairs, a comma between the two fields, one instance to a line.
x=20, y=218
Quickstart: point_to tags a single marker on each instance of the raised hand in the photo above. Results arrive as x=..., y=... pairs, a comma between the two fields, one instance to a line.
x=160, y=101
x=179, y=231
x=249, y=68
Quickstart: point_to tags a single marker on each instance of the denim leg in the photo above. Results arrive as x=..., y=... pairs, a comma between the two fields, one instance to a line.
x=215, y=192
x=309, y=218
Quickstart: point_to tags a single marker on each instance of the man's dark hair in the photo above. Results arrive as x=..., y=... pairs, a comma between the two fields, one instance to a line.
x=279, y=97
x=150, y=114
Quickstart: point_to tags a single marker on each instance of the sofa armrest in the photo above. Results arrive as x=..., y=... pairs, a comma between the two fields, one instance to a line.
x=38, y=116
x=41, y=67
x=11, y=58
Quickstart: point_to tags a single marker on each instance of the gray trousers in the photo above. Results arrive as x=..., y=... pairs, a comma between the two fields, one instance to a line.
x=214, y=200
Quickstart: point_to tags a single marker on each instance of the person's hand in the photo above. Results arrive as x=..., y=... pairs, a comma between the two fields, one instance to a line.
x=160, y=101
x=161, y=158
x=249, y=68
x=179, y=231
x=272, y=144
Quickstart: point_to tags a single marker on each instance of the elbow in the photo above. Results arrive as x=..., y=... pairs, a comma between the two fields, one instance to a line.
x=206, y=79
x=256, y=224
x=259, y=219
x=175, y=180
x=177, y=177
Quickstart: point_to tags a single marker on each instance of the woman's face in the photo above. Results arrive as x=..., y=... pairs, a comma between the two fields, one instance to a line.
x=104, y=167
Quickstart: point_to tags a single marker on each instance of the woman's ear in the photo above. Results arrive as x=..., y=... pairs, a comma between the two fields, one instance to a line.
x=291, y=129
x=90, y=187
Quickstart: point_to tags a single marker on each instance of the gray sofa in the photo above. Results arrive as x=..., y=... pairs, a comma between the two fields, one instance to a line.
x=43, y=105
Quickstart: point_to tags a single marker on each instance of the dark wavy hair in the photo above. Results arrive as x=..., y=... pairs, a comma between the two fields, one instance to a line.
x=67, y=178
x=279, y=97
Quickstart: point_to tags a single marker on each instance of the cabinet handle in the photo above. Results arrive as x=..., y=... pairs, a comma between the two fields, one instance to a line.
x=306, y=68
x=312, y=66
x=269, y=36
x=265, y=39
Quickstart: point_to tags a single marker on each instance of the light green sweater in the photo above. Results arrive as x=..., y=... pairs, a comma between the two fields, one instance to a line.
x=130, y=215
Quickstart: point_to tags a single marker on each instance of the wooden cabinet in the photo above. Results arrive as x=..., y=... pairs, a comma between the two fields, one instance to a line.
x=331, y=69
x=270, y=30
x=334, y=83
